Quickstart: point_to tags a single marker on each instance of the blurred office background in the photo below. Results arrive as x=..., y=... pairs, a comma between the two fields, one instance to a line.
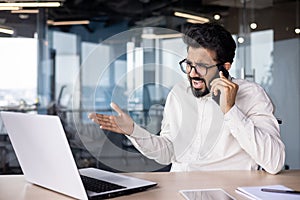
x=78, y=57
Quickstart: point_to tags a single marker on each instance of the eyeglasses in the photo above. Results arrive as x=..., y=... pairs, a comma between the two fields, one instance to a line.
x=201, y=69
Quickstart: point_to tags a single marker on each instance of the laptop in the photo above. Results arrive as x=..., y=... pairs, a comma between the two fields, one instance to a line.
x=45, y=157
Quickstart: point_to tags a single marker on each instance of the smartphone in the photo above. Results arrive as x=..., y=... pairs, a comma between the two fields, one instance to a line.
x=226, y=74
x=206, y=194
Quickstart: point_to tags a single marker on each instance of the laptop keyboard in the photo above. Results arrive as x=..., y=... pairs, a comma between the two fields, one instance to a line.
x=96, y=185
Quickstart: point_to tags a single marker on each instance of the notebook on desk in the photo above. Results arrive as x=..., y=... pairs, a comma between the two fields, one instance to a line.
x=45, y=157
x=257, y=193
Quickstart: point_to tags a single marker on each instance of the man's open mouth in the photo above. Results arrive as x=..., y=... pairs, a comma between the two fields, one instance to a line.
x=197, y=82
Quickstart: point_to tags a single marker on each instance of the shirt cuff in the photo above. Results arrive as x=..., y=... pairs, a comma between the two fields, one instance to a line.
x=139, y=132
x=234, y=118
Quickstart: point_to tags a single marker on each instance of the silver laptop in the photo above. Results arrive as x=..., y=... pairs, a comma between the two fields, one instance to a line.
x=46, y=160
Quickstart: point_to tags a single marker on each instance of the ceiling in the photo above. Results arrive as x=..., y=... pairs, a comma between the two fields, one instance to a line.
x=138, y=12
x=140, y=9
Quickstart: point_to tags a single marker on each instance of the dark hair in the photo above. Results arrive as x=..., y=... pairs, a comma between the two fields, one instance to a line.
x=213, y=37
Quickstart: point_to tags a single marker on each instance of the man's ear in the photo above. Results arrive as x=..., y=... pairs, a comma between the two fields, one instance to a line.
x=227, y=66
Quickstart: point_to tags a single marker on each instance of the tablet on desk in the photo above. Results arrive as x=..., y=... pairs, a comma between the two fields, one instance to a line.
x=206, y=194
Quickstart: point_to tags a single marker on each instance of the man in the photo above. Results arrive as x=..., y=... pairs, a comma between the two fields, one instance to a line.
x=211, y=121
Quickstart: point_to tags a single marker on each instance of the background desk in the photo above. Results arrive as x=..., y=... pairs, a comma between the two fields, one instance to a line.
x=14, y=187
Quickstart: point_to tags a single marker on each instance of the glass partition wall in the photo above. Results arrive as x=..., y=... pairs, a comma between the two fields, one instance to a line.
x=81, y=72
x=268, y=53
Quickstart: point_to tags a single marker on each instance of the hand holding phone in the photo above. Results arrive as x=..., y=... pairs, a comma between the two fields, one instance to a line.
x=224, y=71
x=224, y=92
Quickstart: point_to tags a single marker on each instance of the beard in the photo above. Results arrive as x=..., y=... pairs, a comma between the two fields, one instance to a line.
x=199, y=92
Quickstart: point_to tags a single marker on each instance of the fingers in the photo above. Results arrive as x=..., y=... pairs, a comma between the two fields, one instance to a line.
x=93, y=117
x=222, y=86
x=222, y=78
x=116, y=108
x=99, y=118
x=221, y=74
x=103, y=118
x=215, y=87
x=120, y=124
x=221, y=83
x=108, y=123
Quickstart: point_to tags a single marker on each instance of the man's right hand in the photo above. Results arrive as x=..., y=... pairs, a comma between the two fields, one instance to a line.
x=122, y=123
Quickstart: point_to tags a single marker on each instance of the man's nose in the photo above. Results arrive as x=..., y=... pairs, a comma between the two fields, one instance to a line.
x=193, y=72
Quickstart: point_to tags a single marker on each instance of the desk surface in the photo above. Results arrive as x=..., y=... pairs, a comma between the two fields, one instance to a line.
x=169, y=183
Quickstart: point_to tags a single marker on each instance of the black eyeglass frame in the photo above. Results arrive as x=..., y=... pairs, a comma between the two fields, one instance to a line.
x=183, y=69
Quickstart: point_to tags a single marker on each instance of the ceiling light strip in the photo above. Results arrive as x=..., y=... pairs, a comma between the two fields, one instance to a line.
x=63, y=23
x=161, y=36
x=7, y=31
x=24, y=11
x=195, y=21
x=31, y=4
x=189, y=16
x=10, y=8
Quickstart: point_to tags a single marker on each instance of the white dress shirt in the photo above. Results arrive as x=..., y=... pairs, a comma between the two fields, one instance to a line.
x=196, y=135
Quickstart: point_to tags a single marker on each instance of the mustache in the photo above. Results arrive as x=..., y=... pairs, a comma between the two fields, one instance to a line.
x=197, y=79
x=200, y=79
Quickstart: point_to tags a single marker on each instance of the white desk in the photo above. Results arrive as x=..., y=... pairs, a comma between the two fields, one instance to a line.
x=14, y=187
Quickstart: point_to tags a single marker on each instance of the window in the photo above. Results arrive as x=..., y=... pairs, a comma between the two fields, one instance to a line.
x=18, y=77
